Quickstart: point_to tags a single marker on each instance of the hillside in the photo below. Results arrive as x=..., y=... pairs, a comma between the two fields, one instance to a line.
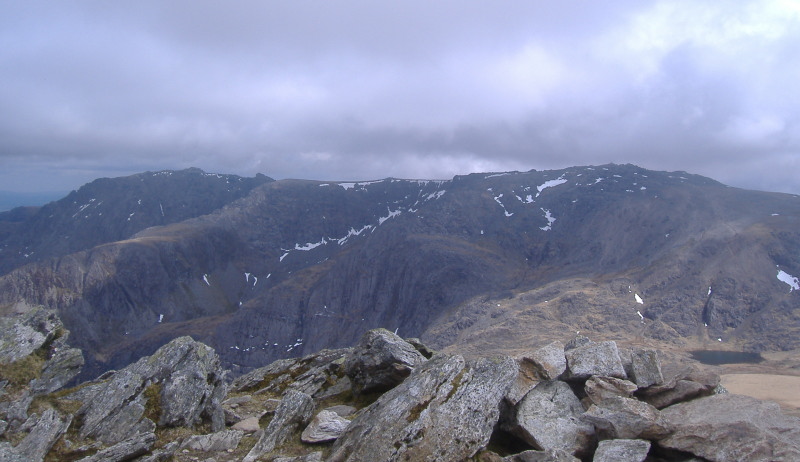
x=111, y=209
x=478, y=263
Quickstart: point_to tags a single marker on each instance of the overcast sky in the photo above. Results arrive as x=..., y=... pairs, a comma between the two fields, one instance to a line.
x=349, y=90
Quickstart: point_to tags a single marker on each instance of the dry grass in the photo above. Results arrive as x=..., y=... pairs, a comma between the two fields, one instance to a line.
x=783, y=389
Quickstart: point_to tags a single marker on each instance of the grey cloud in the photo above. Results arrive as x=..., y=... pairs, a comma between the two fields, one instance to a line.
x=361, y=89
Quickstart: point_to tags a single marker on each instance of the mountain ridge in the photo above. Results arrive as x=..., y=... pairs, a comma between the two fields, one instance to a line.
x=295, y=266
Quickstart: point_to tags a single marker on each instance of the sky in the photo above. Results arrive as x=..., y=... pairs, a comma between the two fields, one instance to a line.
x=361, y=89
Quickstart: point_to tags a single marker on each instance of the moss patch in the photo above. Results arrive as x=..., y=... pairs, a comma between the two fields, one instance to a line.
x=19, y=373
x=152, y=409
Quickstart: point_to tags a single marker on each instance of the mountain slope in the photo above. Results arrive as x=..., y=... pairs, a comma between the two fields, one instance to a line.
x=474, y=263
x=111, y=209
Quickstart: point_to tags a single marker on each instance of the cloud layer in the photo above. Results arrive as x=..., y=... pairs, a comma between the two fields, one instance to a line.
x=362, y=89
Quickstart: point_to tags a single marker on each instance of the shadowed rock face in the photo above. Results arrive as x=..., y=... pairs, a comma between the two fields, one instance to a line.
x=479, y=263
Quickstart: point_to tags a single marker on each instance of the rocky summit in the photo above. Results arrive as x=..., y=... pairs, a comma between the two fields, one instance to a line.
x=578, y=400
x=263, y=270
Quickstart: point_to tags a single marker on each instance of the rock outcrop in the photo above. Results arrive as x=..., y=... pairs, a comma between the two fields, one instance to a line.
x=445, y=410
x=380, y=361
x=179, y=385
x=176, y=405
x=729, y=428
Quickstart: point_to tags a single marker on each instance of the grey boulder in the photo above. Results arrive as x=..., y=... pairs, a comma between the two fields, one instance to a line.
x=732, y=428
x=622, y=450
x=214, y=442
x=600, y=358
x=625, y=418
x=444, y=411
x=646, y=367
x=295, y=411
x=185, y=380
x=380, y=361
x=549, y=418
x=598, y=388
x=324, y=427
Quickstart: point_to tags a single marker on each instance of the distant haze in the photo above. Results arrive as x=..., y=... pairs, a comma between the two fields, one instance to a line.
x=358, y=89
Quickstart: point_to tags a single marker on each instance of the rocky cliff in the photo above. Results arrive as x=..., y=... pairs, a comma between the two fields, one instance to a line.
x=479, y=263
x=385, y=399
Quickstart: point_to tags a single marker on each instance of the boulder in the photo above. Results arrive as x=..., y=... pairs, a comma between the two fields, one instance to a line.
x=682, y=386
x=163, y=454
x=47, y=430
x=182, y=382
x=622, y=450
x=62, y=367
x=682, y=390
x=342, y=410
x=645, y=367
x=26, y=332
x=551, y=455
x=732, y=428
x=548, y=361
x=213, y=442
x=9, y=454
x=600, y=358
x=600, y=388
x=618, y=417
x=294, y=412
x=324, y=427
x=577, y=341
x=549, y=418
x=248, y=425
x=380, y=361
x=312, y=457
x=128, y=449
x=526, y=379
x=445, y=411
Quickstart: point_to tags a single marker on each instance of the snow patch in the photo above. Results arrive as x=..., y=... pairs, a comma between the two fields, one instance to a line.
x=353, y=232
x=550, y=220
x=392, y=214
x=506, y=212
x=435, y=195
x=549, y=184
x=205, y=278
x=794, y=283
x=638, y=299
x=347, y=186
x=160, y=318
x=310, y=245
x=640, y=315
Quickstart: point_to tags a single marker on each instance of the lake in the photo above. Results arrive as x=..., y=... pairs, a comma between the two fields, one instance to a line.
x=717, y=357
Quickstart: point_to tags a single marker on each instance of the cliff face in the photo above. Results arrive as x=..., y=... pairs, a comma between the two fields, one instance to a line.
x=478, y=263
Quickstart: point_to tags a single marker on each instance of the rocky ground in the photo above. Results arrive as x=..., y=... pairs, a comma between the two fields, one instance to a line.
x=386, y=398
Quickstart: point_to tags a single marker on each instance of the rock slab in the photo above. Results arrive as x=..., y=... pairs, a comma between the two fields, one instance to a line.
x=444, y=411
x=324, y=427
x=548, y=418
x=600, y=358
x=732, y=428
x=622, y=450
x=295, y=411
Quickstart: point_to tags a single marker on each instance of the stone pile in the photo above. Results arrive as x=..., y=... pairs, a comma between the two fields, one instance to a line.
x=390, y=399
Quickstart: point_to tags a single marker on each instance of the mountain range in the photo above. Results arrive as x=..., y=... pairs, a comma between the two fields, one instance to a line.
x=261, y=269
